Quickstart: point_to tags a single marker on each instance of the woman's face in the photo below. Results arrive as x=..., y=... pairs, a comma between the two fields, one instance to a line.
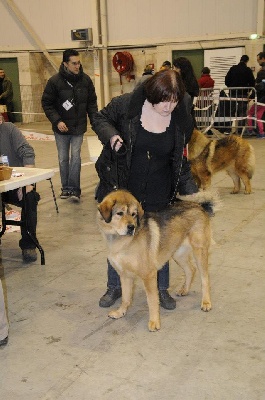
x=164, y=108
x=177, y=69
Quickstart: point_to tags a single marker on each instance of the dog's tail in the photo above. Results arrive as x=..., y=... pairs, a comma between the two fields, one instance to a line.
x=208, y=199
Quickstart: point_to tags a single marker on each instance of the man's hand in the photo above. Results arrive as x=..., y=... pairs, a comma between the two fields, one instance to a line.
x=62, y=127
x=118, y=144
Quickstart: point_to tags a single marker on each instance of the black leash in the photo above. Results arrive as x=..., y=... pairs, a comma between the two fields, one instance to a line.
x=121, y=152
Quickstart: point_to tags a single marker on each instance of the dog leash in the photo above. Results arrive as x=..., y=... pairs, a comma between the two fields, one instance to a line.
x=121, y=152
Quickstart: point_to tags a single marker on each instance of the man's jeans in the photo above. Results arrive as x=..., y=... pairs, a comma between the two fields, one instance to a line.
x=162, y=277
x=69, y=149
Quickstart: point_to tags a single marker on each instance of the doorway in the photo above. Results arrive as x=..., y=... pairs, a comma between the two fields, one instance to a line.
x=10, y=65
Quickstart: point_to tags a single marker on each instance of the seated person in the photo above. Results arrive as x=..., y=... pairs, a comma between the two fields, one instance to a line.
x=20, y=154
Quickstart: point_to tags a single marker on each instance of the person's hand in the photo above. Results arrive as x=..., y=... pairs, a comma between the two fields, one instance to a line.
x=118, y=144
x=62, y=127
x=1, y=119
x=29, y=188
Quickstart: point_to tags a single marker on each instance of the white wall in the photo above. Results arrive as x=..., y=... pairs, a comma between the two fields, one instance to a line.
x=149, y=29
x=51, y=20
x=155, y=21
x=137, y=22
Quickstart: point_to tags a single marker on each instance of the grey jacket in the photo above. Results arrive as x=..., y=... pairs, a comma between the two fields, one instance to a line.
x=15, y=146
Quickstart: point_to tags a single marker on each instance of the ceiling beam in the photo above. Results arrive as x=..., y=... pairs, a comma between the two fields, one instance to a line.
x=21, y=18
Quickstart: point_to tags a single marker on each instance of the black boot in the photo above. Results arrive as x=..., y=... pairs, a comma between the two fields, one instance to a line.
x=109, y=298
x=166, y=301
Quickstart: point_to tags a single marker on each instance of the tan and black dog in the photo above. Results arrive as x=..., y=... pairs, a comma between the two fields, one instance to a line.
x=140, y=243
x=232, y=153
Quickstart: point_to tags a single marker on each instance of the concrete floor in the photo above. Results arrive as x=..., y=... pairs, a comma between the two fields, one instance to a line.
x=63, y=346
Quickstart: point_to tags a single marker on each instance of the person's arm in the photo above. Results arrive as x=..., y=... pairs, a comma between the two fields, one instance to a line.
x=186, y=183
x=251, y=78
x=48, y=101
x=228, y=78
x=25, y=152
x=106, y=121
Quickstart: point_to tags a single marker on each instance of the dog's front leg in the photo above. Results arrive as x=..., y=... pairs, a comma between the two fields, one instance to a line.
x=126, y=287
x=150, y=284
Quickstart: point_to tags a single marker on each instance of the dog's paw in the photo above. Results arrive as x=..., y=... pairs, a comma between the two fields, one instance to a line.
x=206, y=306
x=116, y=314
x=182, y=291
x=154, y=326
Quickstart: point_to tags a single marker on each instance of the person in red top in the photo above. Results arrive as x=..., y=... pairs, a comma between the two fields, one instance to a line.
x=205, y=81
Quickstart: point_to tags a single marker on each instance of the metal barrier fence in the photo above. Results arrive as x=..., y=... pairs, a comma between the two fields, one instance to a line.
x=226, y=109
x=221, y=108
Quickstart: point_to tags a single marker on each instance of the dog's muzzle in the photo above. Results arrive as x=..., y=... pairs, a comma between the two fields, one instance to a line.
x=130, y=229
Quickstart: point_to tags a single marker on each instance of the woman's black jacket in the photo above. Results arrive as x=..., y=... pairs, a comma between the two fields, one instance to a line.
x=121, y=117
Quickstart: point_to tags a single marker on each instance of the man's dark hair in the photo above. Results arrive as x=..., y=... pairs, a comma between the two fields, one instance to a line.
x=69, y=53
x=261, y=55
x=244, y=58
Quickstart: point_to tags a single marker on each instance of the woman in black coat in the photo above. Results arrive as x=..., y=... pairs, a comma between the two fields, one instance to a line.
x=145, y=134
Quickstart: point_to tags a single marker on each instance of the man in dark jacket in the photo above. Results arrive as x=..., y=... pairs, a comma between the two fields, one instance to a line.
x=6, y=93
x=258, y=110
x=240, y=76
x=68, y=98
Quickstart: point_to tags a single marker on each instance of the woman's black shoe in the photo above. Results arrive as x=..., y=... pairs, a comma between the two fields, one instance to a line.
x=166, y=301
x=109, y=298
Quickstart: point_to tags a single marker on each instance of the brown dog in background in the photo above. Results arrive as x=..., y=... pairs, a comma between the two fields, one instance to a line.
x=232, y=154
x=141, y=243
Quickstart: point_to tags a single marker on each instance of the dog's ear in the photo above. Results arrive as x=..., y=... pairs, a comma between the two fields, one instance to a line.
x=105, y=209
x=140, y=213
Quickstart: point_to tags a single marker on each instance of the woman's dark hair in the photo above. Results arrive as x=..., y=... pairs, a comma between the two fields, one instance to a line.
x=69, y=53
x=165, y=85
x=187, y=75
x=185, y=67
x=206, y=70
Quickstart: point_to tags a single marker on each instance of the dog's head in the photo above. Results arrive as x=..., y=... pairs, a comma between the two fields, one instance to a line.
x=122, y=212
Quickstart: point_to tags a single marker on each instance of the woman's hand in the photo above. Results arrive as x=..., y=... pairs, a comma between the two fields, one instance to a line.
x=118, y=139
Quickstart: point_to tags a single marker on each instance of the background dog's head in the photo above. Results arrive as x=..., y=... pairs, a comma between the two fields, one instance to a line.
x=121, y=211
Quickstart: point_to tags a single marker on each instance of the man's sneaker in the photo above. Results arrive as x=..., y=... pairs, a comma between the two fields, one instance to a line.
x=74, y=196
x=64, y=194
x=29, y=255
x=166, y=301
x=261, y=135
x=109, y=298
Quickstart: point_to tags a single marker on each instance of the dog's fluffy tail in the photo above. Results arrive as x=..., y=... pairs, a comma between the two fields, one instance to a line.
x=208, y=199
